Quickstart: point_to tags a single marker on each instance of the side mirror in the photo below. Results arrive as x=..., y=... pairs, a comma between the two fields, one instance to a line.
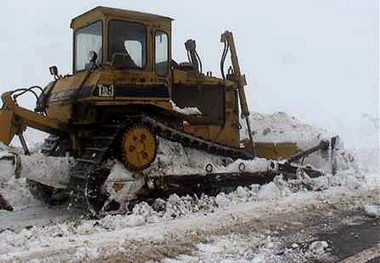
x=92, y=56
x=54, y=71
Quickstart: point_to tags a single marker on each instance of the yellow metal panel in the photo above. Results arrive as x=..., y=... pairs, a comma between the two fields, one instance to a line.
x=7, y=129
x=269, y=150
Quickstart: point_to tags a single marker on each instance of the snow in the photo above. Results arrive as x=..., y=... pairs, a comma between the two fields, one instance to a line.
x=318, y=247
x=191, y=217
x=131, y=184
x=281, y=127
x=174, y=159
x=372, y=210
x=186, y=110
x=51, y=171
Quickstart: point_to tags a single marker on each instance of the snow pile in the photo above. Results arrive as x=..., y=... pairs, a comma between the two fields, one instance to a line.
x=186, y=110
x=175, y=159
x=372, y=210
x=281, y=127
x=7, y=163
x=51, y=171
x=17, y=193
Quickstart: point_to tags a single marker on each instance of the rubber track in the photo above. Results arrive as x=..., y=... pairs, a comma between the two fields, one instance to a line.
x=84, y=175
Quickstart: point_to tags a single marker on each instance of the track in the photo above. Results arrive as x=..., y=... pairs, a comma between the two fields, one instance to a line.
x=91, y=169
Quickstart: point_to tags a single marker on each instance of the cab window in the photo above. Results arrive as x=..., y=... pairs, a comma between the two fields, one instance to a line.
x=127, y=42
x=162, y=53
x=87, y=39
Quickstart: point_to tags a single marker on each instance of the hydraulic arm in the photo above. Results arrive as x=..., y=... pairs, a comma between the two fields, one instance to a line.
x=228, y=40
x=14, y=119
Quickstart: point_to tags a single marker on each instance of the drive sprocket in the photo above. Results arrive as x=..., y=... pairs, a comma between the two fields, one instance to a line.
x=139, y=147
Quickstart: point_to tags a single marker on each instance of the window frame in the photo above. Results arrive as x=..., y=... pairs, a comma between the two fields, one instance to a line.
x=168, y=53
x=146, y=42
x=75, y=46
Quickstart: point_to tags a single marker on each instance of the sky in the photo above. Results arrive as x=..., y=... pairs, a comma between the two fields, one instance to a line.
x=314, y=59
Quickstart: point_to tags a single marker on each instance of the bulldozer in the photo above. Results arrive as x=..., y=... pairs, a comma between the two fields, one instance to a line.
x=124, y=94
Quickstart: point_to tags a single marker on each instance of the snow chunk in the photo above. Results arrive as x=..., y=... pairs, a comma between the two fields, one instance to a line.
x=17, y=193
x=7, y=163
x=186, y=110
x=222, y=200
x=87, y=253
x=318, y=248
x=51, y=171
x=269, y=192
x=372, y=210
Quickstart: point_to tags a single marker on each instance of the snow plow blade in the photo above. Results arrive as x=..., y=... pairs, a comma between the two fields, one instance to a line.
x=290, y=170
x=210, y=184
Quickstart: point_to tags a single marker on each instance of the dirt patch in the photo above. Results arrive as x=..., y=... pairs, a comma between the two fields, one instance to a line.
x=137, y=251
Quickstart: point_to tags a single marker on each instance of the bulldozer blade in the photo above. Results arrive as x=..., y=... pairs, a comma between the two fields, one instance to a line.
x=211, y=184
x=4, y=205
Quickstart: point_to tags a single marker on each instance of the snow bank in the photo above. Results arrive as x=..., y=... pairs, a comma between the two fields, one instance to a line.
x=191, y=207
x=281, y=127
x=51, y=171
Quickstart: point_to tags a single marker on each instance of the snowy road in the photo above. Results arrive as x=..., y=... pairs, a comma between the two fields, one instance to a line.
x=276, y=231
x=37, y=216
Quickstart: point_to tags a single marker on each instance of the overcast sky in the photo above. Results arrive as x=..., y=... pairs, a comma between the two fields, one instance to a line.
x=314, y=59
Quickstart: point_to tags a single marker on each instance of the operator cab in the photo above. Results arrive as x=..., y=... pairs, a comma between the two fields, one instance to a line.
x=122, y=39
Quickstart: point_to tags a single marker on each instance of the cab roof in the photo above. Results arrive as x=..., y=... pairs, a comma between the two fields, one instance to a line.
x=98, y=13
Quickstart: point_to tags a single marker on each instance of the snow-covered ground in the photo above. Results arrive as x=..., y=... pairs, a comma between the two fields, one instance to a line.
x=242, y=226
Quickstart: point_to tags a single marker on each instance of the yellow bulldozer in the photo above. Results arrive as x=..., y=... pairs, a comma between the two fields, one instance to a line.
x=125, y=92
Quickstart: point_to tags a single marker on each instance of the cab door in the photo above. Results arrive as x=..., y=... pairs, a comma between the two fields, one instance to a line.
x=162, y=58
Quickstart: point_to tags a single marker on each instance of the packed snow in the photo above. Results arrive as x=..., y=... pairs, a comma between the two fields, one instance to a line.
x=204, y=220
x=186, y=110
x=281, y=127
